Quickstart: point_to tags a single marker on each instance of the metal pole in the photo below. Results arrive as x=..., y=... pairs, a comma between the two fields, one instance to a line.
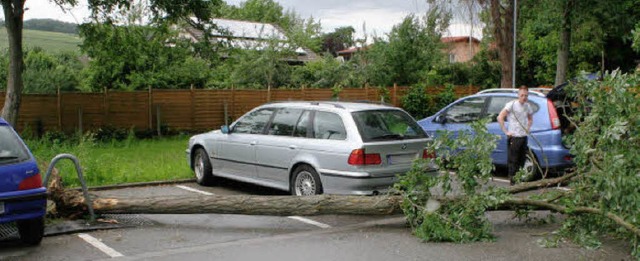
x=515, y=22
x=85, y=192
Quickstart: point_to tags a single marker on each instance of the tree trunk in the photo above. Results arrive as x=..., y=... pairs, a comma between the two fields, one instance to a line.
x=13, y=13
x=71, y=203
x=502, y=19
x=564, y=45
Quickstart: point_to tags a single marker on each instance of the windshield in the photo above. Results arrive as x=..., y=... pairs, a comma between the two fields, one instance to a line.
x=12, y=150
x=380, y=125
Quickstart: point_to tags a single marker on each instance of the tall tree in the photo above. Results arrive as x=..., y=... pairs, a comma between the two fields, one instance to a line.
x=502, y=28
x=341, y=38
x=565, y=43
x=161, y=11
x=13, y=14
x=411, y=52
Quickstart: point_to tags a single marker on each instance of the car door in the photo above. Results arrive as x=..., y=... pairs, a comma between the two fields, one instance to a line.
x=275, y=150
x=458, y=116
x=494, y=107
x=238, y=148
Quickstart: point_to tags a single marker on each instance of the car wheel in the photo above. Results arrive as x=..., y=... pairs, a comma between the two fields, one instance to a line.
x=202, y=168
x=31, y=230
x=530, y=167
x=306, y=182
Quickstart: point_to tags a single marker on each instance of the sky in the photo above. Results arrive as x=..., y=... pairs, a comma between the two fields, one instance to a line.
x=377, y=16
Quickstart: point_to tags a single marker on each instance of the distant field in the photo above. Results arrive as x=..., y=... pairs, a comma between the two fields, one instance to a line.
x=49, y=41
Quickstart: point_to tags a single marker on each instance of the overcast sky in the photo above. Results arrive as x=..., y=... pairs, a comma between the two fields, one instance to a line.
x=378, y=16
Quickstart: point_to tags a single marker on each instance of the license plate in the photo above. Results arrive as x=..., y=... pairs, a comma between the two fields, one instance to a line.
x=400, y=158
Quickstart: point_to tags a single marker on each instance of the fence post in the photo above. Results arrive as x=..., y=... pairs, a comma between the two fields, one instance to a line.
x=233, y=100
x=304, y=93
x=158, y=122
x=150, y=108
x=80, y=120
x=366, y=91
x=59, y=108
x=395, y=94
x=269, y=92
x=193, y=109
x=105, y=105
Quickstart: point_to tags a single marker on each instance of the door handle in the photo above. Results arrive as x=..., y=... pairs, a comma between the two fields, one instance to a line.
x=293, y=147
x=253, y=143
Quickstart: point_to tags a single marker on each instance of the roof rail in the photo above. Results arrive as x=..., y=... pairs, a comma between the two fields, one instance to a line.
x=534, y=91
x=339, y=106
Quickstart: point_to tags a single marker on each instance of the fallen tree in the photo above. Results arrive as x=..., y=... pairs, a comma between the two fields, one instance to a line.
x=71, y=203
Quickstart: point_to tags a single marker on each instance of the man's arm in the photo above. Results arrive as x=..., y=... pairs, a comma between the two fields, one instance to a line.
x=530, y=122
x=501, y=117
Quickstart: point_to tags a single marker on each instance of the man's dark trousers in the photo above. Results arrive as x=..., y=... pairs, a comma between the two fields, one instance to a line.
x=517, y=152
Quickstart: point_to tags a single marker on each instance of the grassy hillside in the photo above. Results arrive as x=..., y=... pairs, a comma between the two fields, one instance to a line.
x=49, y=41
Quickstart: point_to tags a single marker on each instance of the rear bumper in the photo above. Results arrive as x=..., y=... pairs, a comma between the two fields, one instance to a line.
x=363, y=183
x=23, y=205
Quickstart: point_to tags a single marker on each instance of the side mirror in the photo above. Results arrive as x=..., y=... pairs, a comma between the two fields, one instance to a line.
x=442, y=119
x=224, y=129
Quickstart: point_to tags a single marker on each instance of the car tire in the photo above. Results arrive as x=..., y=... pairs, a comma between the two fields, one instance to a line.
x=305, y=182
x=202, y=168
x=31, y=230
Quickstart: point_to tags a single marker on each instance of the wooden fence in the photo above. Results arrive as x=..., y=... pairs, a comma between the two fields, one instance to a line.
x=191, y=110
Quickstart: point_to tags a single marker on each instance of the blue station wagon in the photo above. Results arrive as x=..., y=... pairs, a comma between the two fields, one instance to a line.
x=22, y=196
x=545, y=140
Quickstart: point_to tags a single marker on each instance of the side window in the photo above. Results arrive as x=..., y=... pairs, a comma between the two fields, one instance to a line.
x=328, y=125
x=284, y=122
x=302, y=127
x=253, y=122
x=497, y=104
x=466, y=111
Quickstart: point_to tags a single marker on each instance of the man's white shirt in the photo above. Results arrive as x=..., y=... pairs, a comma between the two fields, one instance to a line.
x=517, y=118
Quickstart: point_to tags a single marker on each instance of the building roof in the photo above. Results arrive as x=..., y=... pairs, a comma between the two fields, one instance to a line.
x=457, y=39
x=449, y=39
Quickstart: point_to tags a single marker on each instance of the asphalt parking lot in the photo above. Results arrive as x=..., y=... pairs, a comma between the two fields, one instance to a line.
x=242, y=237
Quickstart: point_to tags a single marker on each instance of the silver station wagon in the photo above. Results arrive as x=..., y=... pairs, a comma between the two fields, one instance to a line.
x=311, y=148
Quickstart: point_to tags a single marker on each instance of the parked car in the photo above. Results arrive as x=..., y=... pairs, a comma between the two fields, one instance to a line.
x=546, y=132
x=22, y=196
x=311, y=148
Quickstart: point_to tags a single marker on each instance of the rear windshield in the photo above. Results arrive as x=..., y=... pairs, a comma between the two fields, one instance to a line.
x=12, y=150
x=381, y=125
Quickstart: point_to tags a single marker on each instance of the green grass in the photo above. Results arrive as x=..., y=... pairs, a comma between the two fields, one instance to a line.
x=116, y=162
x=49, y=41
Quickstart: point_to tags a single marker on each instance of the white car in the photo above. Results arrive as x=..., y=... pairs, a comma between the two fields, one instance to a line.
x=311, y=148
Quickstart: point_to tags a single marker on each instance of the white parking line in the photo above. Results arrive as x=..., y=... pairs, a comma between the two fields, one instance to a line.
x=309, y=221
x=100, y=246
x=194, y=190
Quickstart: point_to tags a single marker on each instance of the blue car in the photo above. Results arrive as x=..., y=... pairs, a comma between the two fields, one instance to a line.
x=546, y=132
x=22, y=196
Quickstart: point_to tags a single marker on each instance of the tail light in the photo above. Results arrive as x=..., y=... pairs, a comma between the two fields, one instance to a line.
x=426, y=154
x=359, y=157
x=553, y=115
x=32, y=182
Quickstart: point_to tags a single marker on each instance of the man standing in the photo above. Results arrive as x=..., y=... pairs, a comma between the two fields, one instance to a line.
x=519, y=116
